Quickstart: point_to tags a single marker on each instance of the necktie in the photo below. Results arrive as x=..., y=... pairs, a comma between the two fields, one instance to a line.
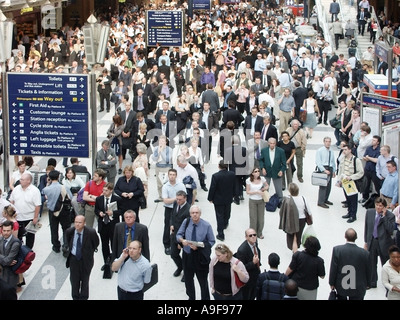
x=256, y=254
x=140, y=103
x=129, y=240
x=304, y=63
x=375, y=232
x=106, y=219
x=362, y=16
x=194, y=235
x=178, y=208
x=258, y=153
x=78, y=253
x=263, y=133
x=105, y=155
x=165, y=113
x=5, y=245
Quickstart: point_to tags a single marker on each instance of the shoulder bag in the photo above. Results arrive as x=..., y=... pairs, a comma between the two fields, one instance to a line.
x=239, y=283
x=309, y=219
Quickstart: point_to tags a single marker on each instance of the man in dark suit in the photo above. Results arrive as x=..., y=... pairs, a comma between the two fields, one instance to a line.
x=211, y=97
x=236, y=158
x=379, y=225
x=258, y=87
x=324, y=60
x=229, y=95
x=104, y=89
x=350, y=266
x=232, y=114
x=268, y=130
x=299, y=94
x=140, y=102
x=273, y=170
x=107, y=219
x=107, y=160
x=179, y=213
x=83, y=242
x=306, y=80
x=9, y=248
x=171, y=116
x=362, y=17
x=140, y=118
x=127, y=116
x=43, y=49
x=252, y=123
x=250, y=254
x=127, y=231
x=166, y=128
x=221, y=193
x=382, y=67
x=146, y=87
x=211, y=124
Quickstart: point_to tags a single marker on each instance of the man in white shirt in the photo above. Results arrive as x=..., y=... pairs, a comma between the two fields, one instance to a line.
x=185, y=169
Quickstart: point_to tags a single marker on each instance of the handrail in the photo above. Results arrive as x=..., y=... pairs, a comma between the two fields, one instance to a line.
x=322, y=19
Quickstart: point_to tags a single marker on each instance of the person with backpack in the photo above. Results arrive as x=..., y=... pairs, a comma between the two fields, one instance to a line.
x=55, y=195
x=350, y=169
x=271, y=283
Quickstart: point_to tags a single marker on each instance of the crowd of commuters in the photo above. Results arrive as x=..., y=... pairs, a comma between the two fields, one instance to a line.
x=236, y=75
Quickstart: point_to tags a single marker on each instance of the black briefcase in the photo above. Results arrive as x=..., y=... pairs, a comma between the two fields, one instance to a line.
x=154, y=278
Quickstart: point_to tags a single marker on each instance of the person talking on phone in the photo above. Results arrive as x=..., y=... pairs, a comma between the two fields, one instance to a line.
x=134, y=270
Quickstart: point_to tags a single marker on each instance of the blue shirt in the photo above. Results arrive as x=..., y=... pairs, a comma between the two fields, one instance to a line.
x=325, y=157
x=169, y=191
x=390, y=187
x=163, y=159
x=133, y=274
x=204, y=233
x=373, y=153
x=287, y=104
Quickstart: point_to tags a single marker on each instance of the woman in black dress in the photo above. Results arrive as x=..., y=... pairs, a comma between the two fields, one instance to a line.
x=288, y=146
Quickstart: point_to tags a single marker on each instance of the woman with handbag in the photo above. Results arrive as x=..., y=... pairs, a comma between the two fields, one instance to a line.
x=226, y=274
x=294, y=214
x=74, y=183
x=311, y=106
x=336, y=122
x=114, y=134
x=290, y=150
x=256, y=187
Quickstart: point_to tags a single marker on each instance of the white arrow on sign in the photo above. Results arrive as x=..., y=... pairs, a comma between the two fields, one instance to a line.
x=15, y=151
x=14, y=111
x=15, y=131
x=15, y=138
x=15, y=144
x=14, y=118
x=14, y=124
x=14, y=104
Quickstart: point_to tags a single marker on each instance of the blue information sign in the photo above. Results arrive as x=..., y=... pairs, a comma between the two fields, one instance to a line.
x=382, y=102
x=201, y=5
x=48, y=114
x=165, y=28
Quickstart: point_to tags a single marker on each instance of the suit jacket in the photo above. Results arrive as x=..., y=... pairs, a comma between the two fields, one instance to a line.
x=146, y=104
x=278, y=165
x=141, y=234
x=271, y=132
x=247, y=124
x=112, y=159
x=128, y=125
x=157, y=90
x=382, y=67
x=177, y=217
x=232, y=115
x=212, y=121
x=171, y=116
x=385, y=230
x=170, y=129
x=228, y=96
x=90, y=242
x=222, y=187
x=6, y=257
x=299, y=95
x=259, y=88
x=246, y=254
x=100, y=207
x=306, y=83
x=43, y=52
x=236, y=158
x=345, y=255
x=367, y=15
x=212, y=98
x=135, y=127
x=146, y=90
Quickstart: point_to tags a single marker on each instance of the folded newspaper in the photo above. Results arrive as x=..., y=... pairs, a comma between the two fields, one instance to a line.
x=33, y=228
x=199, y=244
